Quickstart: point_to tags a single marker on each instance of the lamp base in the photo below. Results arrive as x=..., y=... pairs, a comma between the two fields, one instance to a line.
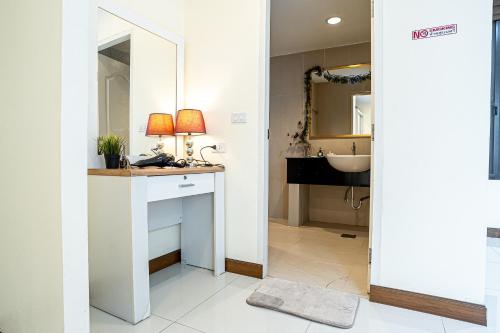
x=158, y=149
x=189, y=151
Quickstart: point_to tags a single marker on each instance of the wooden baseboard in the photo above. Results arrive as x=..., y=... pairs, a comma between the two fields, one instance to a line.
x=232, y=265
x=449, y=308
x=164, y=261
x=494, y=232
x=244, y=268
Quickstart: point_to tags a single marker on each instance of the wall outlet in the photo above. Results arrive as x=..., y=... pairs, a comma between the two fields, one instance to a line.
x=239, y=117
x=220, y=148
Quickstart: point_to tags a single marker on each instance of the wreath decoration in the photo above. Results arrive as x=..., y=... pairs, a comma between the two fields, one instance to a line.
x=303, y=127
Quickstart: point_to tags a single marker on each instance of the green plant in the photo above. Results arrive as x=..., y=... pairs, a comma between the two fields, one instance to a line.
x=110, y=145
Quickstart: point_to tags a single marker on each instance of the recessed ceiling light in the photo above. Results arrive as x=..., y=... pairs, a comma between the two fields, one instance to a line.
x=333, y=20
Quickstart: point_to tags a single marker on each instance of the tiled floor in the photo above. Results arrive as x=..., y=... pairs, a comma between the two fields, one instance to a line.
x=319, y=256
x=189, y=300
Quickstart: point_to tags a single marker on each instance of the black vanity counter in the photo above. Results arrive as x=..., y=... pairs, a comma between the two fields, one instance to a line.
x=317, y=171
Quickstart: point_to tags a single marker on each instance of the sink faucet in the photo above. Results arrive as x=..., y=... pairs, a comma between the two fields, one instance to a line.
x=353, y=149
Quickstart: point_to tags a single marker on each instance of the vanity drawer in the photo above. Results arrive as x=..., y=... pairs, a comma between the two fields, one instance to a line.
x=168, y=187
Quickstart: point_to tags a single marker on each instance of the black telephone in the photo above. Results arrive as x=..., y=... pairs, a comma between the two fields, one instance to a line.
x=161, y=160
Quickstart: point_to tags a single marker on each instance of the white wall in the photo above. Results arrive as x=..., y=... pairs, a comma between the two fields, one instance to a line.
x=431, y=148
x=43, y=238
x=167, y=14
x=225, y=67
x=76, y=43
x=225, y=72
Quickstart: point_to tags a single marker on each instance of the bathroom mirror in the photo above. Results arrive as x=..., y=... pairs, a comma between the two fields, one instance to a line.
x=137, y=75
x=340, y=109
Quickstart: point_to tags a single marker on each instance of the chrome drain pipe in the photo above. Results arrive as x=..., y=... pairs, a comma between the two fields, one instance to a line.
x=350, y=201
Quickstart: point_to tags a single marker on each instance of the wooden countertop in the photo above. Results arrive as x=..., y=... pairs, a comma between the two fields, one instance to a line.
x=153, y=171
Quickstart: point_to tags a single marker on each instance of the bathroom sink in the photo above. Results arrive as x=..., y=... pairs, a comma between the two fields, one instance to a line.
x=349, y=163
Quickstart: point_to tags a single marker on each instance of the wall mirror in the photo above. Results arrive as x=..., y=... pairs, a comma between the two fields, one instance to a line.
x=340, y=102
x=137, y=75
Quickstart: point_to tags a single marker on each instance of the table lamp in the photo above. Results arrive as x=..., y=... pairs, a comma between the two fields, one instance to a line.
x=160, y=124
x=189, y=122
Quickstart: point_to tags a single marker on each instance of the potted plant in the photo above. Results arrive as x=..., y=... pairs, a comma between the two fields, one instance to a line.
x=112, y=147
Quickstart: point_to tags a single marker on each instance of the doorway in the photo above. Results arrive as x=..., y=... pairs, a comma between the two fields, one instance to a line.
x=319, y=230
x=114, y=89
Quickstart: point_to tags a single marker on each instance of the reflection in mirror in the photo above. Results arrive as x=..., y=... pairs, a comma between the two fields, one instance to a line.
x=137, y=76
x=361, y=114
x=114, y=90
x=340, y=109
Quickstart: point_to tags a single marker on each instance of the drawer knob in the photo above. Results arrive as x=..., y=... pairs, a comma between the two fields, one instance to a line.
x=186, y=185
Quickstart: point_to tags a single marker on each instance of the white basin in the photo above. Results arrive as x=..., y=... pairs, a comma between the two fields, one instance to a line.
x=349, y=163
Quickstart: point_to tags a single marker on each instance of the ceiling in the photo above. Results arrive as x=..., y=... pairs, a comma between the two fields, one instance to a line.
x=120, y=52
x=299, y=25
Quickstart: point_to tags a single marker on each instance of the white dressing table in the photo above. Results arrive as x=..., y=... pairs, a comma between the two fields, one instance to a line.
x=124, y=205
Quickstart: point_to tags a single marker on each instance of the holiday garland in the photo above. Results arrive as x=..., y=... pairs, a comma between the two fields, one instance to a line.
x=349, y=79
x=300, y=137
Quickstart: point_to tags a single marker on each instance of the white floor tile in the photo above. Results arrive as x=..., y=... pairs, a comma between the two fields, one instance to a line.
x=177, y=328
x=284, y=270
x=101, y=322
x=355, y=282
x=456, y=326
x=179, y=288
x=378, y=318
x=201, y=302
x=227, y=312
x=319, y=256
x=278, y=221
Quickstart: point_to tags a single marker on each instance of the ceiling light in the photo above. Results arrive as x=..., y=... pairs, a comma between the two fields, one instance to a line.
x=333, y=20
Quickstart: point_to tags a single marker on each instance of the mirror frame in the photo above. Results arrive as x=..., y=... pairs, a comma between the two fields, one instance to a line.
x=141, y=22
x=344, y=136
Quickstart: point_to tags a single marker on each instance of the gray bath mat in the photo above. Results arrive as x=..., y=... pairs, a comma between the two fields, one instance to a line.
x=325, y=306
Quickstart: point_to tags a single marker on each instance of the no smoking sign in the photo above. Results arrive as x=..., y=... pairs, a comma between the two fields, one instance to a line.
x=442, y=30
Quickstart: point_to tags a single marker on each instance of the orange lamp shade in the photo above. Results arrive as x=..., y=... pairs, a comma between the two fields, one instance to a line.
x=160, y=124
x=190, y=122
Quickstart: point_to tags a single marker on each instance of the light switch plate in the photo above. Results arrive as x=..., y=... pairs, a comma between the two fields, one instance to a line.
x=239, y=117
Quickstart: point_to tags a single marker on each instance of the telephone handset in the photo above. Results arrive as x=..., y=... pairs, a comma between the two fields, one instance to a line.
x=161, y=160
